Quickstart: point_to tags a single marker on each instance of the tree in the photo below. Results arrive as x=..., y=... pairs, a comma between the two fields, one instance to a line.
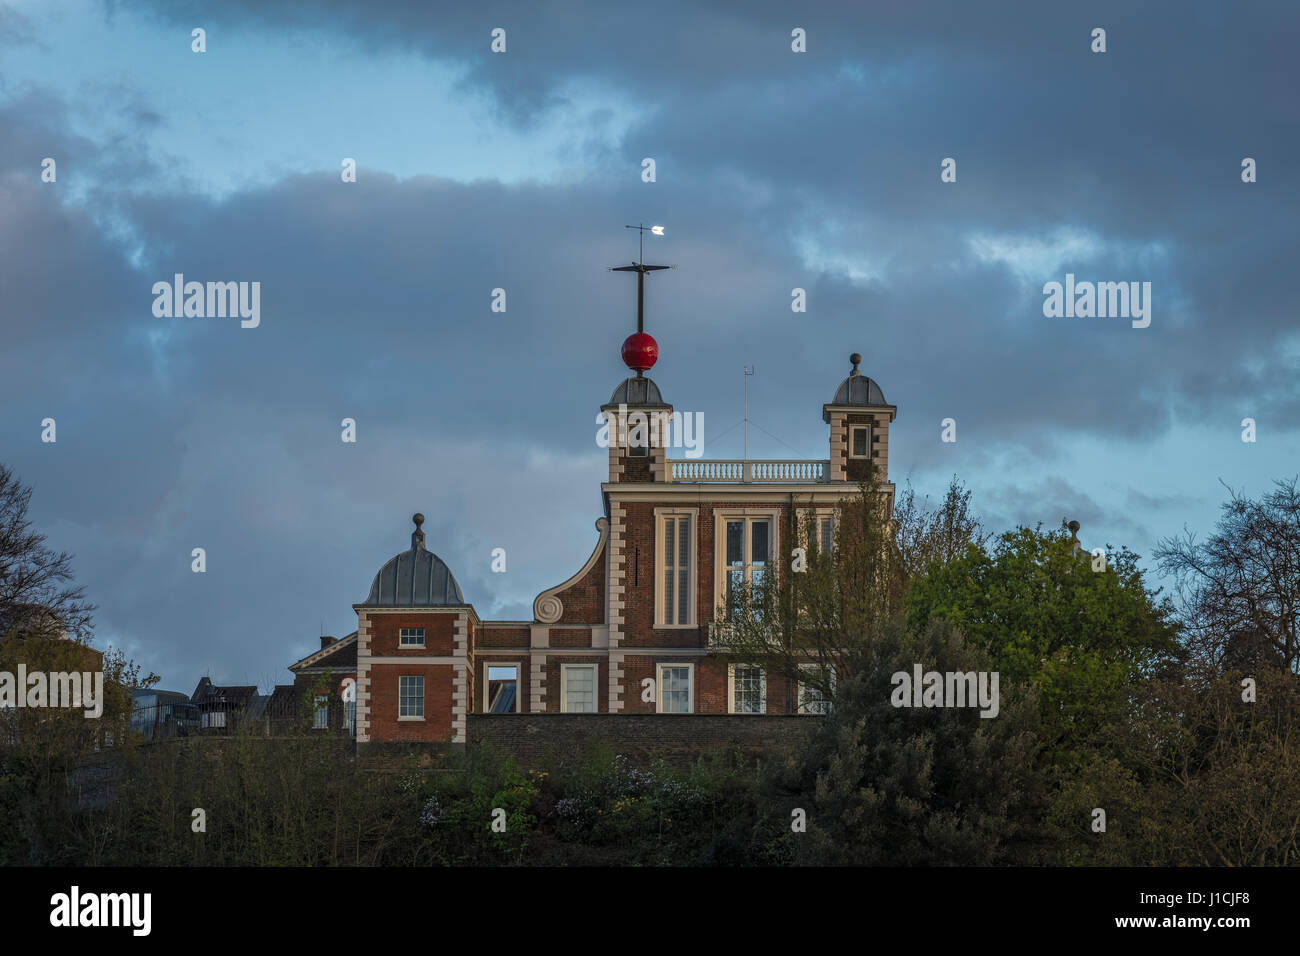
x=926, y=536
x=1046, y=618
x=48, y=752
x=903, y=786
x=35, y=596
x=1239, y=591
x=1196, y=775
x=804, y=617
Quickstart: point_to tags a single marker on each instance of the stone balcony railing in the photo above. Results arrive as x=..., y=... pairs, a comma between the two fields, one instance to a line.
x=721, y=637
x=739, y=471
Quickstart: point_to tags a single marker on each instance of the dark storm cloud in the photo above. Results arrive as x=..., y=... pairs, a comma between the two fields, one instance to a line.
x=375, y=295
x=1138, y=148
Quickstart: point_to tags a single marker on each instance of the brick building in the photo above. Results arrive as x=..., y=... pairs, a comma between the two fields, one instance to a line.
x=674, y=535
x=330, y=675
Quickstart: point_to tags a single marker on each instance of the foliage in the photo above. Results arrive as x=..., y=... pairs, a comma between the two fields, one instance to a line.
x=1196, y=775
x=1104, y=706
x=36, y=597
x=803, y=620
x=1048, y=619
x=889, y=785
x=1240, y=590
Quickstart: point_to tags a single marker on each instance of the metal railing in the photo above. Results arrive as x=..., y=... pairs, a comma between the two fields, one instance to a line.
x=216, y=718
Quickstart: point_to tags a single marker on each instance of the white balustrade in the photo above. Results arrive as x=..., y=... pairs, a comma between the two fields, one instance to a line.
x=747, y=472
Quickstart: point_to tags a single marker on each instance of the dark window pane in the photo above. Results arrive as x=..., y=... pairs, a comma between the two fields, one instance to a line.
x=734, y=578
x=758, y=541
x=683, y=589
x=735, y=542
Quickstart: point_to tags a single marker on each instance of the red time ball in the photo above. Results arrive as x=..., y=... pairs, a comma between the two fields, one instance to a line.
x=640, y=351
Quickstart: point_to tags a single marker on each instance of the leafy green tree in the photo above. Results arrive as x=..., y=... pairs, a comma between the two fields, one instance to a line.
x=928, y=536
x=1048, y=619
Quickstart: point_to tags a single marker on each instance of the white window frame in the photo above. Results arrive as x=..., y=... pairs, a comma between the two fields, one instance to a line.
x=693, y=514
x=731, y=688
x=321, y=715
x=659, y=686
x=637, y=450
x=487, y=682
x=854, y=429
x=811, y=665
x=401, y=637
x=423, y=696
x=720, y=517
x=819, y=514
x=595, y=687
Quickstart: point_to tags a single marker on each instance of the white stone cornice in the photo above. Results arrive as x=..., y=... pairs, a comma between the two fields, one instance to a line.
x=310, y=659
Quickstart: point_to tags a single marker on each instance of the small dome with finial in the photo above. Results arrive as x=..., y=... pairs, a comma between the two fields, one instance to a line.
x=857, y=389
x=638, y=391
x=415, y=578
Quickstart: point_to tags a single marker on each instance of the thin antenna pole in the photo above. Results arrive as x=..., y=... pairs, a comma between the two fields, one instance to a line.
x=749, y=370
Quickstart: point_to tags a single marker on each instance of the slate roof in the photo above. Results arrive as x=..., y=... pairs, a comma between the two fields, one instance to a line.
x=636, y=390
x=339, y=656
x=415, y=578
x=230, y=697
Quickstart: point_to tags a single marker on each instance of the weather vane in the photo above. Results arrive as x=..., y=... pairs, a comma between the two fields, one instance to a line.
x=641, y=351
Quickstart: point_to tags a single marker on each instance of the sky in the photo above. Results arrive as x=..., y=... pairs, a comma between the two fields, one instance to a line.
x=476, y=170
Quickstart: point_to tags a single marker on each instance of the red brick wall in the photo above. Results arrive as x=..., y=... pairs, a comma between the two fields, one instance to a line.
x=439, y=631
x=640, y=591
x=584, y=602
x=636, y=669
x=711, y=686
x=436, y=725
x=472, y=636
x=303, y=682
x=570, y=637
x=490, y=635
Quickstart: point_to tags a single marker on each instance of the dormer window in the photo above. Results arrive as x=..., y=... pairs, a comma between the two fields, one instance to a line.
x=860, y=441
